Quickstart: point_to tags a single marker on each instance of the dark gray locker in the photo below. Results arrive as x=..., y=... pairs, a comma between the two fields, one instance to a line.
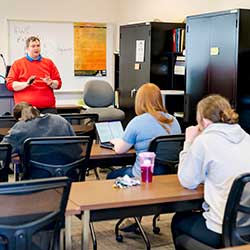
x=217, y=55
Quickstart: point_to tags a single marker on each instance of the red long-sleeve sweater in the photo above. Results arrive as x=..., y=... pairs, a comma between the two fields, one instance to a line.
x=39, y=94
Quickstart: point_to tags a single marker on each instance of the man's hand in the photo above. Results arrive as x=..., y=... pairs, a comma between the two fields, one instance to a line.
x=47, y=80
x=51, y=83
x=31, y=80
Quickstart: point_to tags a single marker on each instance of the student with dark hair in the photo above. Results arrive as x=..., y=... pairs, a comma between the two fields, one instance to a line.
x=215, y=152
x=33, y=78
x=152, y=120
x=33, y=124
x=25, y=111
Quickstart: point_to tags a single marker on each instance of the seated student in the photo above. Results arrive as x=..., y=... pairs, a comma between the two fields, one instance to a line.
x=33, y=124
x=215, y=152
x=152, y=120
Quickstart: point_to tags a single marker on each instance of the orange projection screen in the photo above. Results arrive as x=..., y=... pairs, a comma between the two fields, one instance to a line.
x=90, y=49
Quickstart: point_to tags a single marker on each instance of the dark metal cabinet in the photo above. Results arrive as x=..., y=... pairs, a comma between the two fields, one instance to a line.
x=217, y=55
x=157, y=65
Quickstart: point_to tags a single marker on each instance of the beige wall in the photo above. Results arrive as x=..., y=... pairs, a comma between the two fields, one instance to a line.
x=169, y=10
x=63, y=10
x=164, y=10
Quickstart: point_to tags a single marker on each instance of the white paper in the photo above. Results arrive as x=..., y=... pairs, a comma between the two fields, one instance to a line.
x=140, y=50
x=179, y=70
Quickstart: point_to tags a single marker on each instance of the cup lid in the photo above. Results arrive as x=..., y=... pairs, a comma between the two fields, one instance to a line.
x=147, y=154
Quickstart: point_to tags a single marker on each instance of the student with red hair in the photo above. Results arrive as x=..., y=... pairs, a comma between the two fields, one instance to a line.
x=152, y=120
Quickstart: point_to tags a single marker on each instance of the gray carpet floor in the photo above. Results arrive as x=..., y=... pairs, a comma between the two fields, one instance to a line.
x=106, y=237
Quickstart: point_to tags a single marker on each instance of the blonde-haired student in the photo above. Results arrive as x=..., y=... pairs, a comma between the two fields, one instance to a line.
x=215, y=152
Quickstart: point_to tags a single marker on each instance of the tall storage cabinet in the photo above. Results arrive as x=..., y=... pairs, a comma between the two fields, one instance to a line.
x=148, y=53
x=217, y=60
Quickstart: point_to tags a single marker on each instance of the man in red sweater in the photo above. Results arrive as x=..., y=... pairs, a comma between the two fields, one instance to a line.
x=33, y=78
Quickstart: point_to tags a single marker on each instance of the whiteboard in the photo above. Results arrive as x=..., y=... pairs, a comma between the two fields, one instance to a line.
x=57, y=43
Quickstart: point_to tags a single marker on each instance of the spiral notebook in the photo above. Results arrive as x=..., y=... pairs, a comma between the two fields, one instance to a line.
x=108, y=131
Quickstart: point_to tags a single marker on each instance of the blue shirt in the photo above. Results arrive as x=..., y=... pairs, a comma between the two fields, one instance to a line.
x=141, y=130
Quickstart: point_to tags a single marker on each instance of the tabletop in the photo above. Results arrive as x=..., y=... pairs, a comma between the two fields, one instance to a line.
x=96, y=195
x=98, y=152
x=243, y=247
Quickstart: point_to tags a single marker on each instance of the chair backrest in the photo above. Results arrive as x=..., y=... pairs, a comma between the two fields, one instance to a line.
x=7, y=121
x=236, y=222
x=32, y=213
x=83, y=124
x=5, y=159
x=167, y=149
x=56, y=156
x=98, y=93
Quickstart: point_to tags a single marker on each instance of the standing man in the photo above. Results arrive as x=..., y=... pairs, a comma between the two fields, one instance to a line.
x=33, y=78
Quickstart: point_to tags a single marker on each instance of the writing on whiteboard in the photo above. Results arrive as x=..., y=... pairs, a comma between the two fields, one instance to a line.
x=22, y=32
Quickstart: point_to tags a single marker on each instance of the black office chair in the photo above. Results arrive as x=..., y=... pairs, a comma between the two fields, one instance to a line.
x=32, y=213
x=236, y=221
x=86, y=120
x=6, y=121
x=56, y=156
x=5, y=159
x=167, y=149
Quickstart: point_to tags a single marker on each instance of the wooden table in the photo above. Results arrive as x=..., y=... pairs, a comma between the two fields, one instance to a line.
x=77, y=129
x=68, y=108
x=243, y=247
x=100, y=201
x=103, y=157
x=71, y=209
x=4, y=131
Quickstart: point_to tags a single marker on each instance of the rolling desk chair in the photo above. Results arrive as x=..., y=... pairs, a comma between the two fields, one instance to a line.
x=32, y=213
x=6, y=122
x=5, y=160
x=167, y=149
x=86, y=120
x=236, y=221
x=98, y=95
x=56, y=156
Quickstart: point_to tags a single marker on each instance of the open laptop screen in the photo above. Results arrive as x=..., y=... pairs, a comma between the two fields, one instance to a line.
x=109, y=130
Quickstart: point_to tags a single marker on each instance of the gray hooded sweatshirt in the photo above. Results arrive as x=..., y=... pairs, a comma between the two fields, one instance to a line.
x=216, y=157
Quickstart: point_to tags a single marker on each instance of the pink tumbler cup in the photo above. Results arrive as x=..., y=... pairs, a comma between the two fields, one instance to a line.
x=147, y=160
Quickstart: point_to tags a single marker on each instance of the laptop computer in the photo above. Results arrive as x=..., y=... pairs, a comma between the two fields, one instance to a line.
x=108, y=131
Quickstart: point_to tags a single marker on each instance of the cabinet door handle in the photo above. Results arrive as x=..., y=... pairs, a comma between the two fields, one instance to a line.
x=133, y=93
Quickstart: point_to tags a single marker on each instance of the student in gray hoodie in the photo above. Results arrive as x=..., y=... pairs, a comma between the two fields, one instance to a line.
x=215, y=152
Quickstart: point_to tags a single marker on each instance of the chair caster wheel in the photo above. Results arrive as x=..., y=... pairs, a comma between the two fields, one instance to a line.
x=137, y=231
x=119, y=238
x=156, y=230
